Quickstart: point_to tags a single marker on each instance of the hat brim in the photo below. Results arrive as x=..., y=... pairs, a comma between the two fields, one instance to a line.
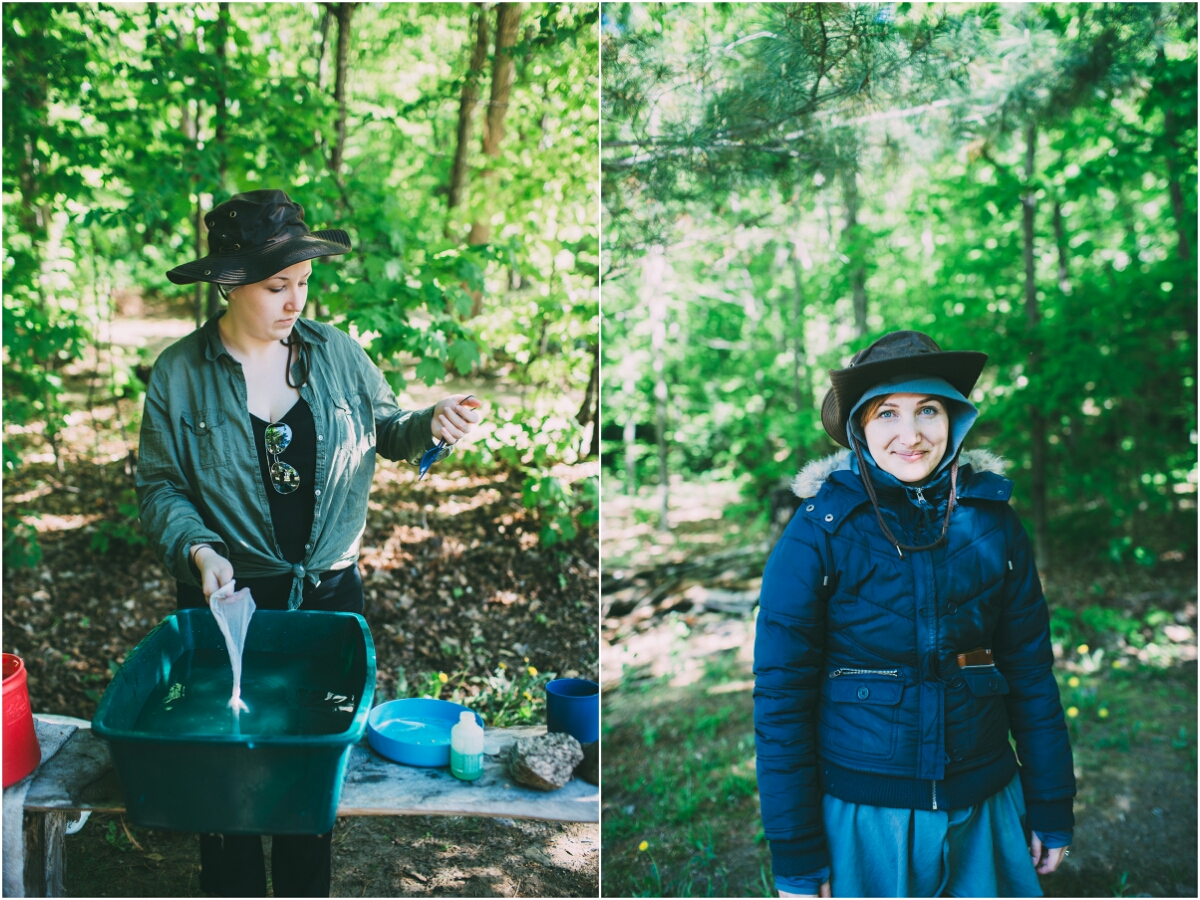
x=960, y=368
x=261, y=263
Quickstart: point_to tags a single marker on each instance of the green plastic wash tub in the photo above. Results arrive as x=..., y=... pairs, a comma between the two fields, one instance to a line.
x=186, y=763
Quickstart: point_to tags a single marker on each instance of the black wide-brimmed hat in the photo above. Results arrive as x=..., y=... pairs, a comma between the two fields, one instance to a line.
x=897, y=353
x=252, y=236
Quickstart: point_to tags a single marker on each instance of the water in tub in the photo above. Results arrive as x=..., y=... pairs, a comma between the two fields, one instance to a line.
x=286, y=693
x=211, y=691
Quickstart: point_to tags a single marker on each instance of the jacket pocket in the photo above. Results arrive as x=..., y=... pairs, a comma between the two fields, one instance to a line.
x=205, y=437
x=985, y=681
x=860, y=713
x=986, y=711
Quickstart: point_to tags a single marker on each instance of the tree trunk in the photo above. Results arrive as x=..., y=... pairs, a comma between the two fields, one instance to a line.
x=199, y=301
x=1060, y=243
x=324, y=28
x=629, y=438
x=653, y=270
x=508, y=21
x=589, y=411
x=1032, y=318
x=466, y=113
x=1174, y=188
x=801, y=391
x=343, y=12
x=220, y=39
x=1183, y=248
x=858, y=274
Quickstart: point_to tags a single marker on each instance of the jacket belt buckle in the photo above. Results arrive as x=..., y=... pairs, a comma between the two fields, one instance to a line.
x=977, y=658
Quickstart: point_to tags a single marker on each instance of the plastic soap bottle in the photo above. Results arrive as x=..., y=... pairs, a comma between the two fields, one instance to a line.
x=466, y=748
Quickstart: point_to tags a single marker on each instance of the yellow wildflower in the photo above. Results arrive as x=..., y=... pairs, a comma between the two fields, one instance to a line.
x=528, y=696
x=1082, y=648
x=526, y=659
x=1073, y=681
x=532, y=672
x=1103, y=713
x=503, y=666
x=443, y=677
x=1073, y=711
x=643, y=846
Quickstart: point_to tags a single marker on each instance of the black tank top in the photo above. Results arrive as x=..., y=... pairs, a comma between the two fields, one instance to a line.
x=291, y=514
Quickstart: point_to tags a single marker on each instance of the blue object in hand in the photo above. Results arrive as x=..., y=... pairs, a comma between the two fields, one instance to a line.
x=436, y=453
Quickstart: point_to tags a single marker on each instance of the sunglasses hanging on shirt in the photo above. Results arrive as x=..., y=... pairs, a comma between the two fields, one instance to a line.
x=284, y=477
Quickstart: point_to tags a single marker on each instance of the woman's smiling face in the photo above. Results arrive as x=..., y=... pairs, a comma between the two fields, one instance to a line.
x=907, y=435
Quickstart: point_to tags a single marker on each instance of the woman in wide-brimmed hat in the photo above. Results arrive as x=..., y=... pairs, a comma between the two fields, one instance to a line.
x=257, y=452
x=902, y=637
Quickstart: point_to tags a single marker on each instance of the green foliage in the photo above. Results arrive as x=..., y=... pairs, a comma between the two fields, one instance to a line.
x=21, y=547
x=507, y=697
x=122, y=122
x=557, y=509
x=531, y=446
x=118, y=839
x=124, y=530
x=804, y=210
x=523, y=441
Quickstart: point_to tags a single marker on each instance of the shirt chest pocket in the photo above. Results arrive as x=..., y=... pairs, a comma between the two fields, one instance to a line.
x=353, y=434
x=205, y=438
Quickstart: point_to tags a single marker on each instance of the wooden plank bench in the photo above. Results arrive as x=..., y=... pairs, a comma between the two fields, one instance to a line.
x=80, y=777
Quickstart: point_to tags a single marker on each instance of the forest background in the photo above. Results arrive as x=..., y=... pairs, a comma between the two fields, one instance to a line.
x=784, y=183
x=457, y=145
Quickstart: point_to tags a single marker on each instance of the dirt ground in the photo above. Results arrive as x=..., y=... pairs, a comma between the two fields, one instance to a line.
x=400, y=856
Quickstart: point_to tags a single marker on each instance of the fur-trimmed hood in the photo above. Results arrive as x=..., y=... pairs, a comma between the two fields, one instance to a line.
x=812, y=477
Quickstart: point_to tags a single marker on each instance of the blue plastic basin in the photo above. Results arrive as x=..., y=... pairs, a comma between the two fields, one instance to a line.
x=415, y=732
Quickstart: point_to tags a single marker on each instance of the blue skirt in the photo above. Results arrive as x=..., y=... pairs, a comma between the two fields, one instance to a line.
x=979, y=851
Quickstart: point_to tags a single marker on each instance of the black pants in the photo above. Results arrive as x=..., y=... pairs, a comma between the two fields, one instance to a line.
x=232, y=865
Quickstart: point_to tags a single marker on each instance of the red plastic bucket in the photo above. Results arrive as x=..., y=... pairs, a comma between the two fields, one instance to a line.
x=22, y=753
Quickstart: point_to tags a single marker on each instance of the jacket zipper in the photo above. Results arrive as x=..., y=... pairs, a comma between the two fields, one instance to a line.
x=934, y=783
x=894, y=673
x=920, y=496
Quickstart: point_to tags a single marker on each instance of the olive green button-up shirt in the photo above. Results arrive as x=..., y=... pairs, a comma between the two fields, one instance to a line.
x=198, y=476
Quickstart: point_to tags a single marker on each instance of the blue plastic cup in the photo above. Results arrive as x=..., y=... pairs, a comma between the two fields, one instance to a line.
x=573, y=706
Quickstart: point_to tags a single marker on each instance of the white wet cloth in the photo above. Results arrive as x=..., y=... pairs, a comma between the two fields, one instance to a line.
x=232, y=612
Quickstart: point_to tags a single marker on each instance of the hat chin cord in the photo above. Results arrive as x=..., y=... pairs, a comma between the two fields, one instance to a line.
x=887, y=532
x=296, y=345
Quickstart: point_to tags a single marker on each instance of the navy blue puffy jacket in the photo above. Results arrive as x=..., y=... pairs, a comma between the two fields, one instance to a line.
x=858, y=692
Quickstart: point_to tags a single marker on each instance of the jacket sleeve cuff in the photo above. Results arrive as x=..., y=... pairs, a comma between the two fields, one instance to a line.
x=1050, y=815
x=798, y=857
x=802, y=884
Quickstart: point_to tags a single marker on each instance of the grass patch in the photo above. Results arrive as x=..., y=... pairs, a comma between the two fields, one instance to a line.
x=680, y=802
